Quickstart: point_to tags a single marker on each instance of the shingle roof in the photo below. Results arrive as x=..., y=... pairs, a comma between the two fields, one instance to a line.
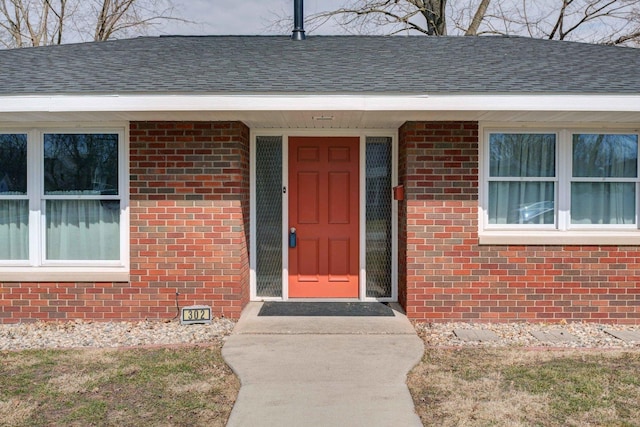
x=322, y=65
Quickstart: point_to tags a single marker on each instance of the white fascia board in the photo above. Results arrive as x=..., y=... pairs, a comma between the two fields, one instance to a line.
x=156, y=103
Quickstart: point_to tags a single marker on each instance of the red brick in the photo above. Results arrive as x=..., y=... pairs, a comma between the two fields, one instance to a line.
x=163, y=157
x=439, y=250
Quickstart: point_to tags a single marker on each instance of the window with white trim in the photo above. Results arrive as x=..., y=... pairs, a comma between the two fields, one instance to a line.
x=62, y=198
x=604, y=179
x=14, y=201
x=522, y=179
x=559, y=180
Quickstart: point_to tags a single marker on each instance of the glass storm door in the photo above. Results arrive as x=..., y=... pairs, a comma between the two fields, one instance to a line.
x=323, y=217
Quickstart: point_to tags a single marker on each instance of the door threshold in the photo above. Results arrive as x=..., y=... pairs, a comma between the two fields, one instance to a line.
x=324, y=300
x=382, y=300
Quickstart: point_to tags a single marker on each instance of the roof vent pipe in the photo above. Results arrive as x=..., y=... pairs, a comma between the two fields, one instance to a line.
x=298, y=20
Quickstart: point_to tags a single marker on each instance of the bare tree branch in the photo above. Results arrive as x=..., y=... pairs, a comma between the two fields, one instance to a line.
x=423, y=16
x=624, y=39
x=592, y=12
x=558, y=25
x=38, y=22
x=593, y=21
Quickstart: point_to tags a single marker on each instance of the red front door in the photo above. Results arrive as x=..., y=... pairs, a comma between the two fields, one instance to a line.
x=323, y=209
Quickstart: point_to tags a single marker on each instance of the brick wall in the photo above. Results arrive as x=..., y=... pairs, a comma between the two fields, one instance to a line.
x=189, y=211
x=190, y=214
x=449, y=276
x=29, y=301
x=190, y=223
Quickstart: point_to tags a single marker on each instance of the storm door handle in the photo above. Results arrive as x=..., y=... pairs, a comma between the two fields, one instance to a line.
x=293, y=238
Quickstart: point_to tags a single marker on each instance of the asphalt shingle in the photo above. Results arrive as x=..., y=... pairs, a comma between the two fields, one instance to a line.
x=321, y=65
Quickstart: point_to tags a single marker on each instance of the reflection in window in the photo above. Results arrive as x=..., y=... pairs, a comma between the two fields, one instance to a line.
x=603, y=188
x=13, y=164
x=522, y=171
x=605, y=156
x=82, y=207
x=14, y=203
x=81, y=164
x=522, y=155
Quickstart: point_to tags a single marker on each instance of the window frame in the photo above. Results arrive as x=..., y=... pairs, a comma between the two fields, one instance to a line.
x=573, y=179
x=541, y=179
x=38, y=267
x=21, y=262
x=563, y=231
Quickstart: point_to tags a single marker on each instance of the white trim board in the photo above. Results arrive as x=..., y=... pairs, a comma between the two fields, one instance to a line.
x=319, y=102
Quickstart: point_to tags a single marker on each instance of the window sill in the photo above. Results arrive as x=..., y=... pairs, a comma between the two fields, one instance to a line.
x=45, y=274
x=604, y=238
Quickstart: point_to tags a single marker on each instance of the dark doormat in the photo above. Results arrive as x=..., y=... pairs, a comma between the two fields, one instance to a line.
x=272, y=308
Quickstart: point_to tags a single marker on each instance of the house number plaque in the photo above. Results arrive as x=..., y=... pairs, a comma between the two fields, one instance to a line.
x=195, y=314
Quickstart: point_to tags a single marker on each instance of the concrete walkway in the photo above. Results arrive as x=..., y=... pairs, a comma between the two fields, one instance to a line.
x=322, y=371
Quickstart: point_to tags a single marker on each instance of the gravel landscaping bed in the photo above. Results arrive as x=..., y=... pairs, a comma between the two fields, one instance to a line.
x=77, y=334
x=582, y=335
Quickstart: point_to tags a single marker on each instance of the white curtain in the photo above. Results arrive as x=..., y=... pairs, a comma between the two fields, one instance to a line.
x=610, y=157
x=14, y=230
x=603, y=203
x=517, y=201
x=83, y=229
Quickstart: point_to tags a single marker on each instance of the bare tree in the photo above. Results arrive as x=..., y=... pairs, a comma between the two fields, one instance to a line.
x=128, y=16
x=25, y=23
x=44, y=22
x=393, y=16
x=593, y=21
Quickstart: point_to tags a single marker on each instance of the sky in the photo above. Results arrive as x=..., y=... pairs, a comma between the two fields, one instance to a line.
x=247, y=17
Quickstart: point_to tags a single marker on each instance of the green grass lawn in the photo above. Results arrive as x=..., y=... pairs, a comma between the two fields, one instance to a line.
x=517, y=387
x=191, y=385
x=160, y=387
